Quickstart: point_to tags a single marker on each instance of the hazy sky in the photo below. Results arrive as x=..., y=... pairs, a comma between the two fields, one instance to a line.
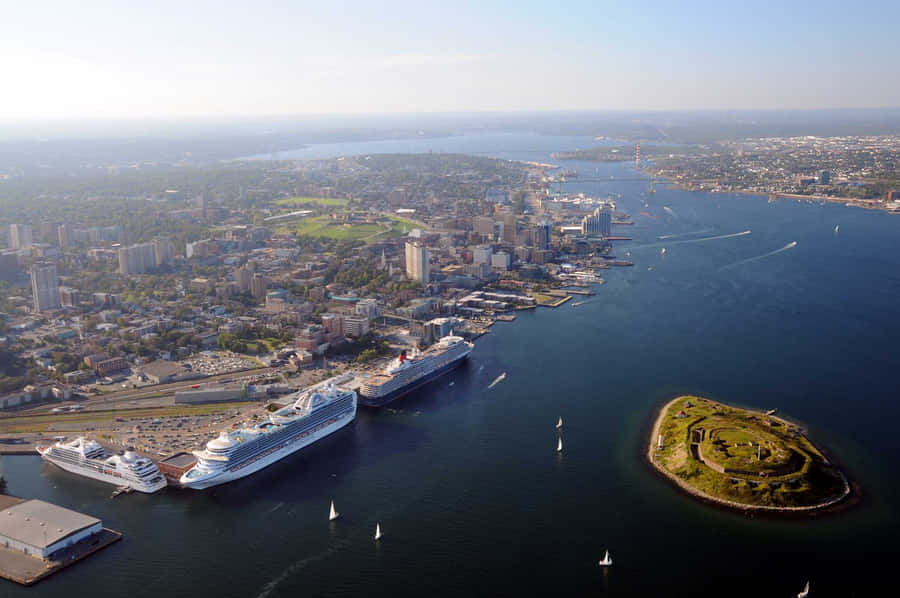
x=66, y=59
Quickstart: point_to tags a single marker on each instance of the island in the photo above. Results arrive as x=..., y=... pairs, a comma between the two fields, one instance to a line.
x=742, y=459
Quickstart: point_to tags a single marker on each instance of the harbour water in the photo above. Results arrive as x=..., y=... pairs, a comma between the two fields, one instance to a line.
x=467, y=484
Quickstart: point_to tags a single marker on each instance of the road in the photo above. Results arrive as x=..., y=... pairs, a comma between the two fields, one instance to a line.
x=112, y=399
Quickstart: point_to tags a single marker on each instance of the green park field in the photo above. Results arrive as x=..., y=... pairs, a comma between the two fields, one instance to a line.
x=324, y=226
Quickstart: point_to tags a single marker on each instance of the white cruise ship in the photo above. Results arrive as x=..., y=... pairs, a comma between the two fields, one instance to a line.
x=405, y=374
x=87, y=458
x=239, y=453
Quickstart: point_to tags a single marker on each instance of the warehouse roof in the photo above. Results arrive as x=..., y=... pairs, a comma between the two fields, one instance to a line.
x=40, y=523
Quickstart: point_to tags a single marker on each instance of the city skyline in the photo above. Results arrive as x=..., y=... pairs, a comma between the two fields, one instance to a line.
x=286, y=59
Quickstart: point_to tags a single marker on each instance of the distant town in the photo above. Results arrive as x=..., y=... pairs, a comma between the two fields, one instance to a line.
x=861, y=170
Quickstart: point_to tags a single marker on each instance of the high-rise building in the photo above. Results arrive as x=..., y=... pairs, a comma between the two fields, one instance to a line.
x=542, y=235
x=20, y=236
x=509, y=228
x=259, y=286
x=64, y=233
x=417, y=267
x=45, y=287
x=163, y=251
x=242, y=277
x=137, y=259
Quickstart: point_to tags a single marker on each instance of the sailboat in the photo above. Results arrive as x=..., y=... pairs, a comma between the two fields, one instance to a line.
x=837, y=227
x=332, y=515
x=607, y=560
x=559, y=424
x=559, y=446
x=377, y=531
x=805, y=591
x=662, y=251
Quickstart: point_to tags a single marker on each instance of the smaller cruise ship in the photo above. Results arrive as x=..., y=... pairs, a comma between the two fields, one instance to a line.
x=405, y=374
x=88, y=458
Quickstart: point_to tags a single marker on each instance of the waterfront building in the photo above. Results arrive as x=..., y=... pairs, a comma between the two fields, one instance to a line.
x=598, y=223
x=45, y=287
x=417, y=267
x=40, y=529
x=20, y=236
x=137, y=259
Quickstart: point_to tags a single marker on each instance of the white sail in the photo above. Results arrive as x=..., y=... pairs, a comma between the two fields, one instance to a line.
x=607, y=560
x=559, y=424
x=837, y=227
x=377, y=531
x=559, y=446
x=333, y=514
x=805, y=591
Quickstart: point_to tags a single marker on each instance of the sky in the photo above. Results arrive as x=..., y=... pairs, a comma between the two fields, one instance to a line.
x=94, y=59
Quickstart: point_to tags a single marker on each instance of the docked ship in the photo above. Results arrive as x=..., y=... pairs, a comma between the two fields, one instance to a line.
x=88, y=458
x=235, y=454
x=405, y=374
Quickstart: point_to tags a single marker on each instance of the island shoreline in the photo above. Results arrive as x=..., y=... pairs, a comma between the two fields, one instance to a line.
x=832, y=505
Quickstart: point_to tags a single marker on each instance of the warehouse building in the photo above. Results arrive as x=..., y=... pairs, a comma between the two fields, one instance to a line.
x=39, y=529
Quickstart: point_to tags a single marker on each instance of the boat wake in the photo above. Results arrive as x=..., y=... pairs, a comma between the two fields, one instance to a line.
x=497, y=380
x=293, y=568
x=679, y=235
x=701, y=240
x=790, y=245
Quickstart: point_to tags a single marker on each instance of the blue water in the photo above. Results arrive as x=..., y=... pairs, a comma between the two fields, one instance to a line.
x=466, y=482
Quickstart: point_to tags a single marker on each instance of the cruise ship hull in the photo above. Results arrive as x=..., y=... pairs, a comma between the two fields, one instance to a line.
x=244, y=469
x=405, y=390
x=109, y=479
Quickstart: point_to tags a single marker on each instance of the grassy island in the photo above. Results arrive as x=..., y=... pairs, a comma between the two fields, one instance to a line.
x=741, y=458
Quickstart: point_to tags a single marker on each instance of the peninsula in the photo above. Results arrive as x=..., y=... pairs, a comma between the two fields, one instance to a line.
x=742, y=459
